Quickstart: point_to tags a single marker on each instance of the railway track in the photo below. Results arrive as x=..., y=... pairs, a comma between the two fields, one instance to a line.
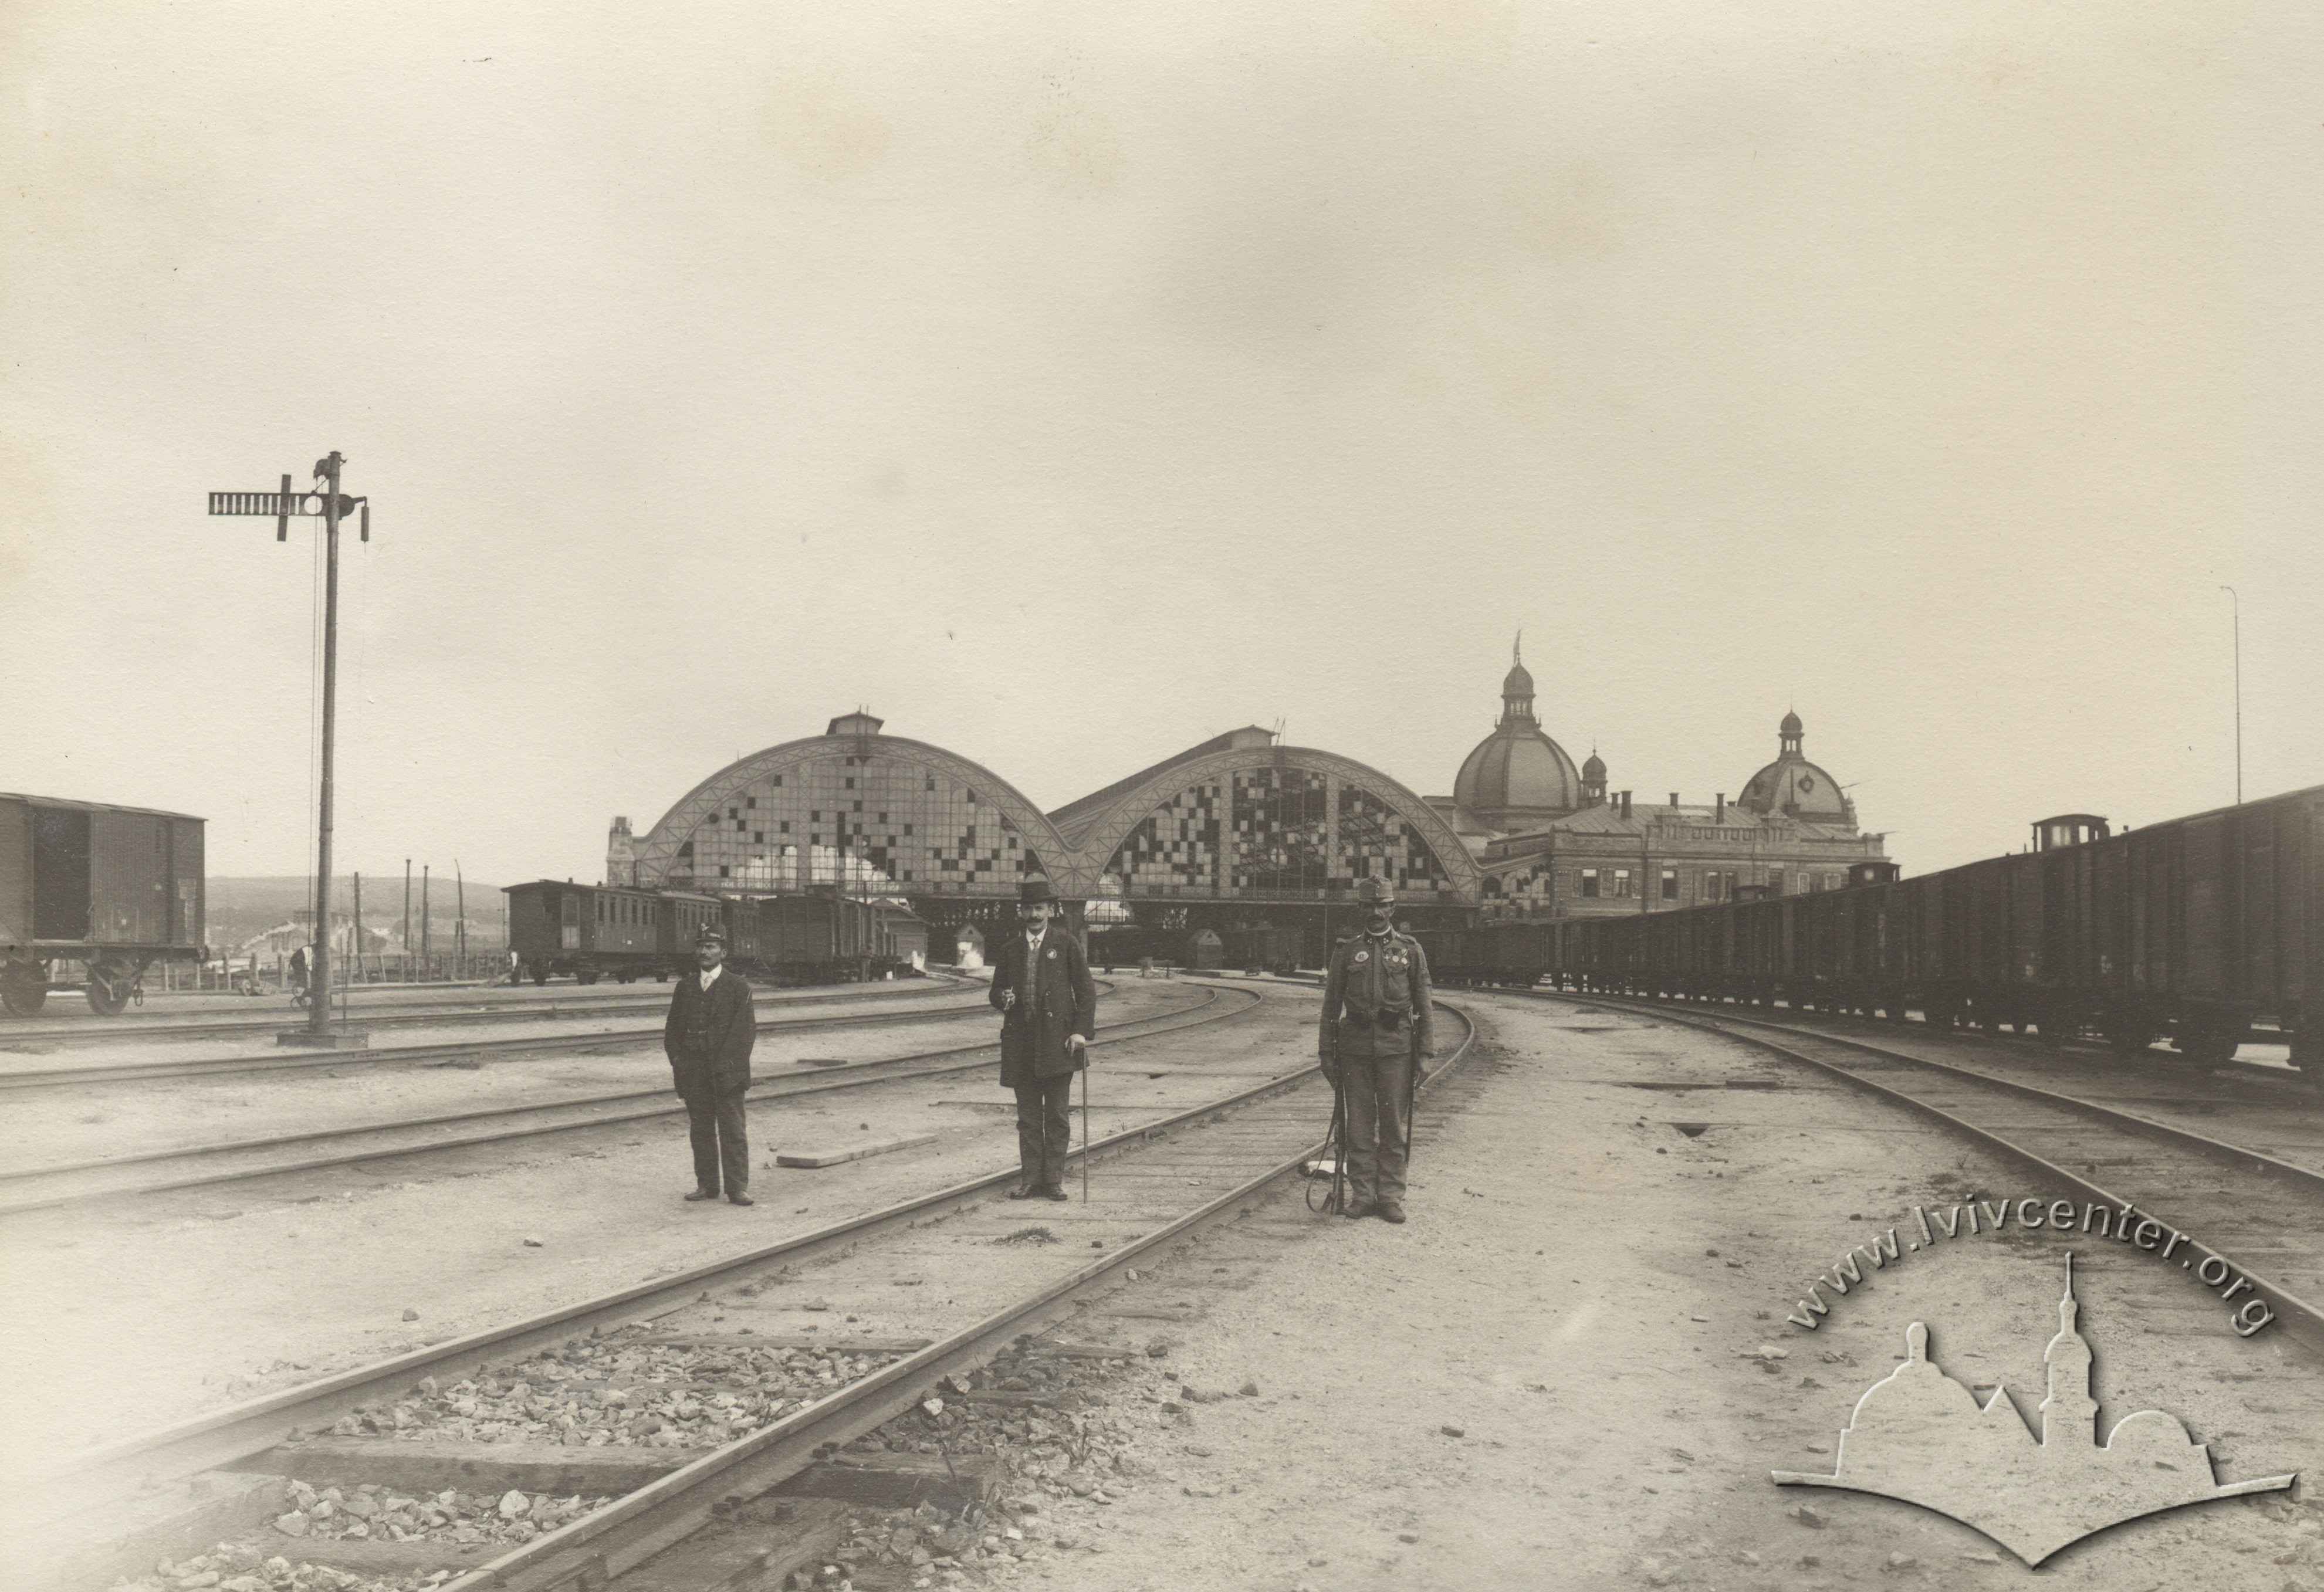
x=41, y=1187
x=979, y=1282
x=453, y=1051
x=2253, y=1217
x=561, y=1009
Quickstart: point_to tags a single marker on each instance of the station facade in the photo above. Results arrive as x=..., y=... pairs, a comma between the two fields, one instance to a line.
x=1552, y=841
x=1239, y=832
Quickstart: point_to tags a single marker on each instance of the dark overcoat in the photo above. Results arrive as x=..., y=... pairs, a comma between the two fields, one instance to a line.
x=708, y=1035
x=1055, y=997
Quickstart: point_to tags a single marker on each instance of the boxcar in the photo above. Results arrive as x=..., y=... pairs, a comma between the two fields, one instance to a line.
x=108, y=889
x=1262, y=950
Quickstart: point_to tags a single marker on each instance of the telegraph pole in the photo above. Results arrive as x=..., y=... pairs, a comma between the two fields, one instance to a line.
x=326, y=504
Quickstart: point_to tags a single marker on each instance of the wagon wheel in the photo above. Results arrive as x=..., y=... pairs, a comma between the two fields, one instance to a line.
x=540, y=975
x=588, y=978
x=2130, y=1039
x=2308, y=1055
x=108, y=992
x=24, y=991
x=2205, y=1047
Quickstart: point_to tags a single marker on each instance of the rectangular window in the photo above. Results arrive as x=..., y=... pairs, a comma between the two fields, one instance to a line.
x=1775, y=881
x=908, y=829
x=757, y=837
x=784, y=827
x=851, y=779
x=1670, y=884
x=1622, y=882
x=1710, y=885
x=779, y=779
x=1589, y=883
x=1832, y=881
x=750, y=801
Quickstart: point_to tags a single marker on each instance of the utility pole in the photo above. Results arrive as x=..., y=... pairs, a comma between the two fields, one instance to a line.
x=460, y=902
x=358, y=937
x=426, y=929
x=407, y=920
x=326, y=504
x=2237, y=611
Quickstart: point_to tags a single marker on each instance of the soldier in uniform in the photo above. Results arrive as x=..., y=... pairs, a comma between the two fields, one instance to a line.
x=708, y=1037
x=1375, y=1032
x=1041, y=986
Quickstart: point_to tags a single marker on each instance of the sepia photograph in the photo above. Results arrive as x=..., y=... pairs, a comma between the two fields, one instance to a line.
x=1326, y=796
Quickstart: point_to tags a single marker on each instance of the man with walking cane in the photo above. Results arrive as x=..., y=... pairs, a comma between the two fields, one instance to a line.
x=1047, y=1002
x=1375, y=1032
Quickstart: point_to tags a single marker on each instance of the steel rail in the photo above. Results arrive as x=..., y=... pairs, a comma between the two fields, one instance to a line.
x=850, y=1075
x=163, y=1027
x=2302, y=1319
x=2147, y=1056
x=596, y=1550
x=452, y=1050
x=203, y=1441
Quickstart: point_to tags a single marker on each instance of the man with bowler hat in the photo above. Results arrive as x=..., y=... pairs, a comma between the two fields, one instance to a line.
x=1041, y=986
x=708, y=1039
x=1376, y=1033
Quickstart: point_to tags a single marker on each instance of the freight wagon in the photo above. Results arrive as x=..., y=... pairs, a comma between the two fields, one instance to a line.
x=102, y=891
x=593, y=931
x=2207, y=931
x=1262, y=950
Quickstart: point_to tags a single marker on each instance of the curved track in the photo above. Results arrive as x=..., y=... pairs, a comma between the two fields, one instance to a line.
x=1156, y=1181
x=40, y=1188
x=2236, y=1205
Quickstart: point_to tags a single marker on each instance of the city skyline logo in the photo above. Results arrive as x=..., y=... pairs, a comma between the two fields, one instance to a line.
x=1922, y=1438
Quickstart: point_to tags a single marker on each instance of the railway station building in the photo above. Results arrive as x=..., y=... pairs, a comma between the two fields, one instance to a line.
x=1550, y=840
x=1237, y=832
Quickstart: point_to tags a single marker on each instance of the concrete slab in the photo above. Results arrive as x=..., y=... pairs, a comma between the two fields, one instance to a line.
x=814, y=1158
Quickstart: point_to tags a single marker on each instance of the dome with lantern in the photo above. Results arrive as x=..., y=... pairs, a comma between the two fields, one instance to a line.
x=1793, y=787
x=1517, y=773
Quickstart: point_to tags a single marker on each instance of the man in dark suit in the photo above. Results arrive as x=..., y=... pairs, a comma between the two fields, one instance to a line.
x=708, y=1039
x=1041, y=986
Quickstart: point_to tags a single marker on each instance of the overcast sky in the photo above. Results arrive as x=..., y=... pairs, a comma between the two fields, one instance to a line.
x=1070, y=382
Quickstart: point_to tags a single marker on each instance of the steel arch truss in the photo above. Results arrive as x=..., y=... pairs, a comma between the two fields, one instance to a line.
x=1176, y=797
x=719, y=801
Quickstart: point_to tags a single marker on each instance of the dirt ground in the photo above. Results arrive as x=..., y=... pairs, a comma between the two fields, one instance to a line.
x=149, y=1310
x=1571, y=1368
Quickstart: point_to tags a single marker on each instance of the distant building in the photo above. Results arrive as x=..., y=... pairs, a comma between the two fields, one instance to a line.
x=1551, y=842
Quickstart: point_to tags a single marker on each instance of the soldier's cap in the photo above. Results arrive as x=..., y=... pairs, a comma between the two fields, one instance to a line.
x=710, y=937
x=1374, y=892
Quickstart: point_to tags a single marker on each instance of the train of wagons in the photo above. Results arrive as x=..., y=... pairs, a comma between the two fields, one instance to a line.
x=624, y=933
x=102, y=891
x=2207, y=931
